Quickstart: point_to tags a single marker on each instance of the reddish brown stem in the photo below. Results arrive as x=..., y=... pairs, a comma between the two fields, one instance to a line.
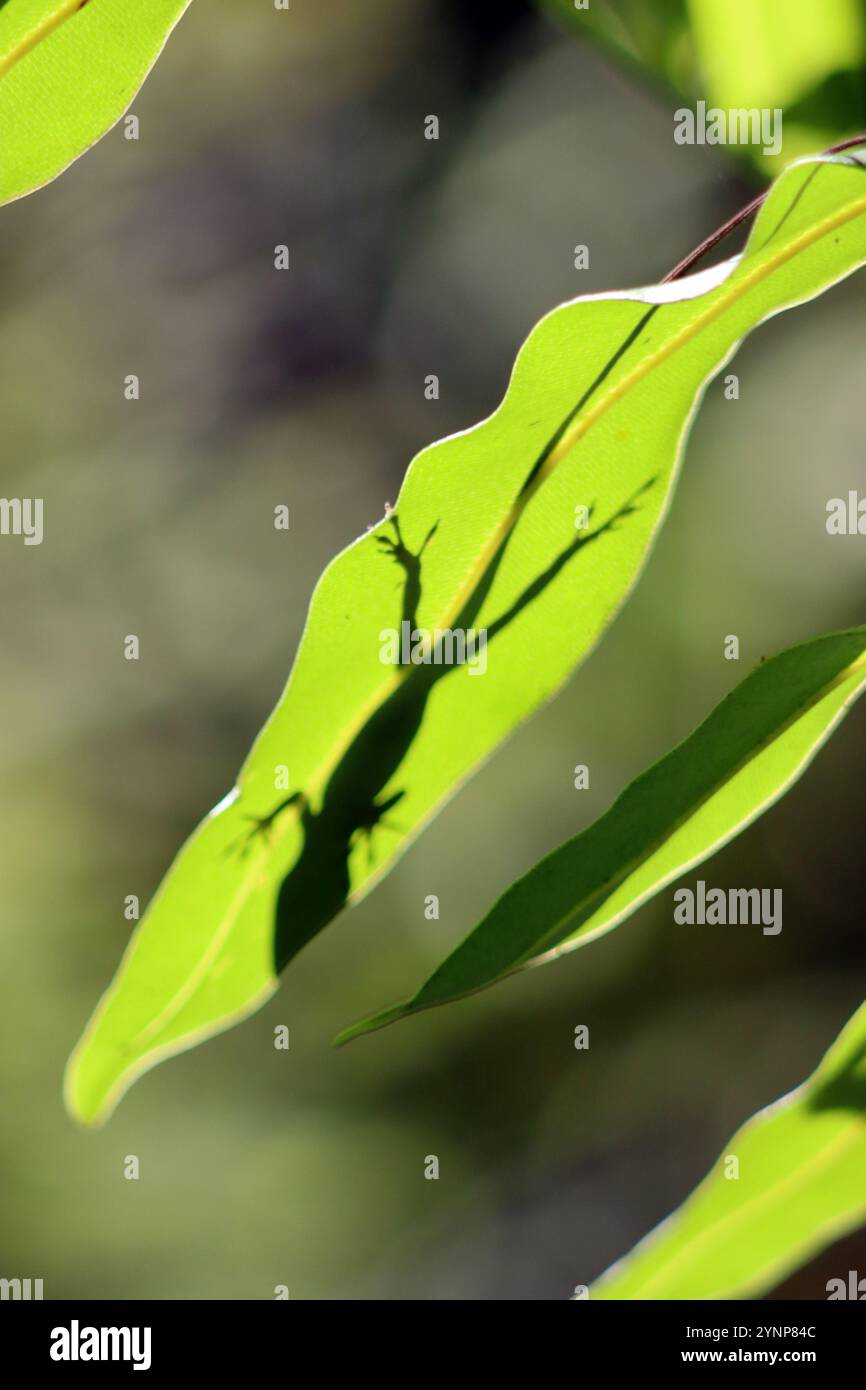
x=731, y=225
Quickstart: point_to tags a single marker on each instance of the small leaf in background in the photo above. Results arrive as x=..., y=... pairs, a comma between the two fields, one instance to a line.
x=68, y=70
x=746, y=755
x=772, y=53
x=533, y=528
x=779, y=54
x=799, y=1187
x=741, y=55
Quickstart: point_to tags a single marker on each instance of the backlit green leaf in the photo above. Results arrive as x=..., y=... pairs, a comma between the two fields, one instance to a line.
x=752, y=748
x=800, y=1186
x=532, y=527
x=68, y=71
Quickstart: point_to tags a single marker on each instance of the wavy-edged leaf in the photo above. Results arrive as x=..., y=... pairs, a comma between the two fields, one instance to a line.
x=595, y=417
x=68, y=70
x=746, y=755
x=801, y=1186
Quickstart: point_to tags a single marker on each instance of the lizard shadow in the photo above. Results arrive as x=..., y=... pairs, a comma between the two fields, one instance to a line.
x=318, y=886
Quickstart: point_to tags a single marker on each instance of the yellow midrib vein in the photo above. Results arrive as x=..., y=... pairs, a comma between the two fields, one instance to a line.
x=577, y=431
x=65, y=10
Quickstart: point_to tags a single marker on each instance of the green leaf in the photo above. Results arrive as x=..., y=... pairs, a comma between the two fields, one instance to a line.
x=746, y=755
x=800, y=1187
x=359, y=754
x=68, y=71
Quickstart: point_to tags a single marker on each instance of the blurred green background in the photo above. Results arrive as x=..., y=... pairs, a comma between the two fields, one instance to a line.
x=409, y=257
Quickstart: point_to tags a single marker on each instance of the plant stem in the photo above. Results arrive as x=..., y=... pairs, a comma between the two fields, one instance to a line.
x=731, y=225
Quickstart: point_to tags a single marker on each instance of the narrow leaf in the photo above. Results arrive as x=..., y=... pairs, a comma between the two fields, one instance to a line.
x=68, y=70
x=800, y=1186
x=531, y=528
x=746, y=755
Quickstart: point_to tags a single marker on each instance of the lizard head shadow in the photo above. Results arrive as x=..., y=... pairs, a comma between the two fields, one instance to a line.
x=318, y=885
x=410, y=562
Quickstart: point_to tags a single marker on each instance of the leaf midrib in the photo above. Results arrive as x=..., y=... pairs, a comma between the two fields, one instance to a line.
x=64, y=11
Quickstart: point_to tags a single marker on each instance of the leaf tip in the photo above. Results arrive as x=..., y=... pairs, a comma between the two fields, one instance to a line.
x=372, y=1023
